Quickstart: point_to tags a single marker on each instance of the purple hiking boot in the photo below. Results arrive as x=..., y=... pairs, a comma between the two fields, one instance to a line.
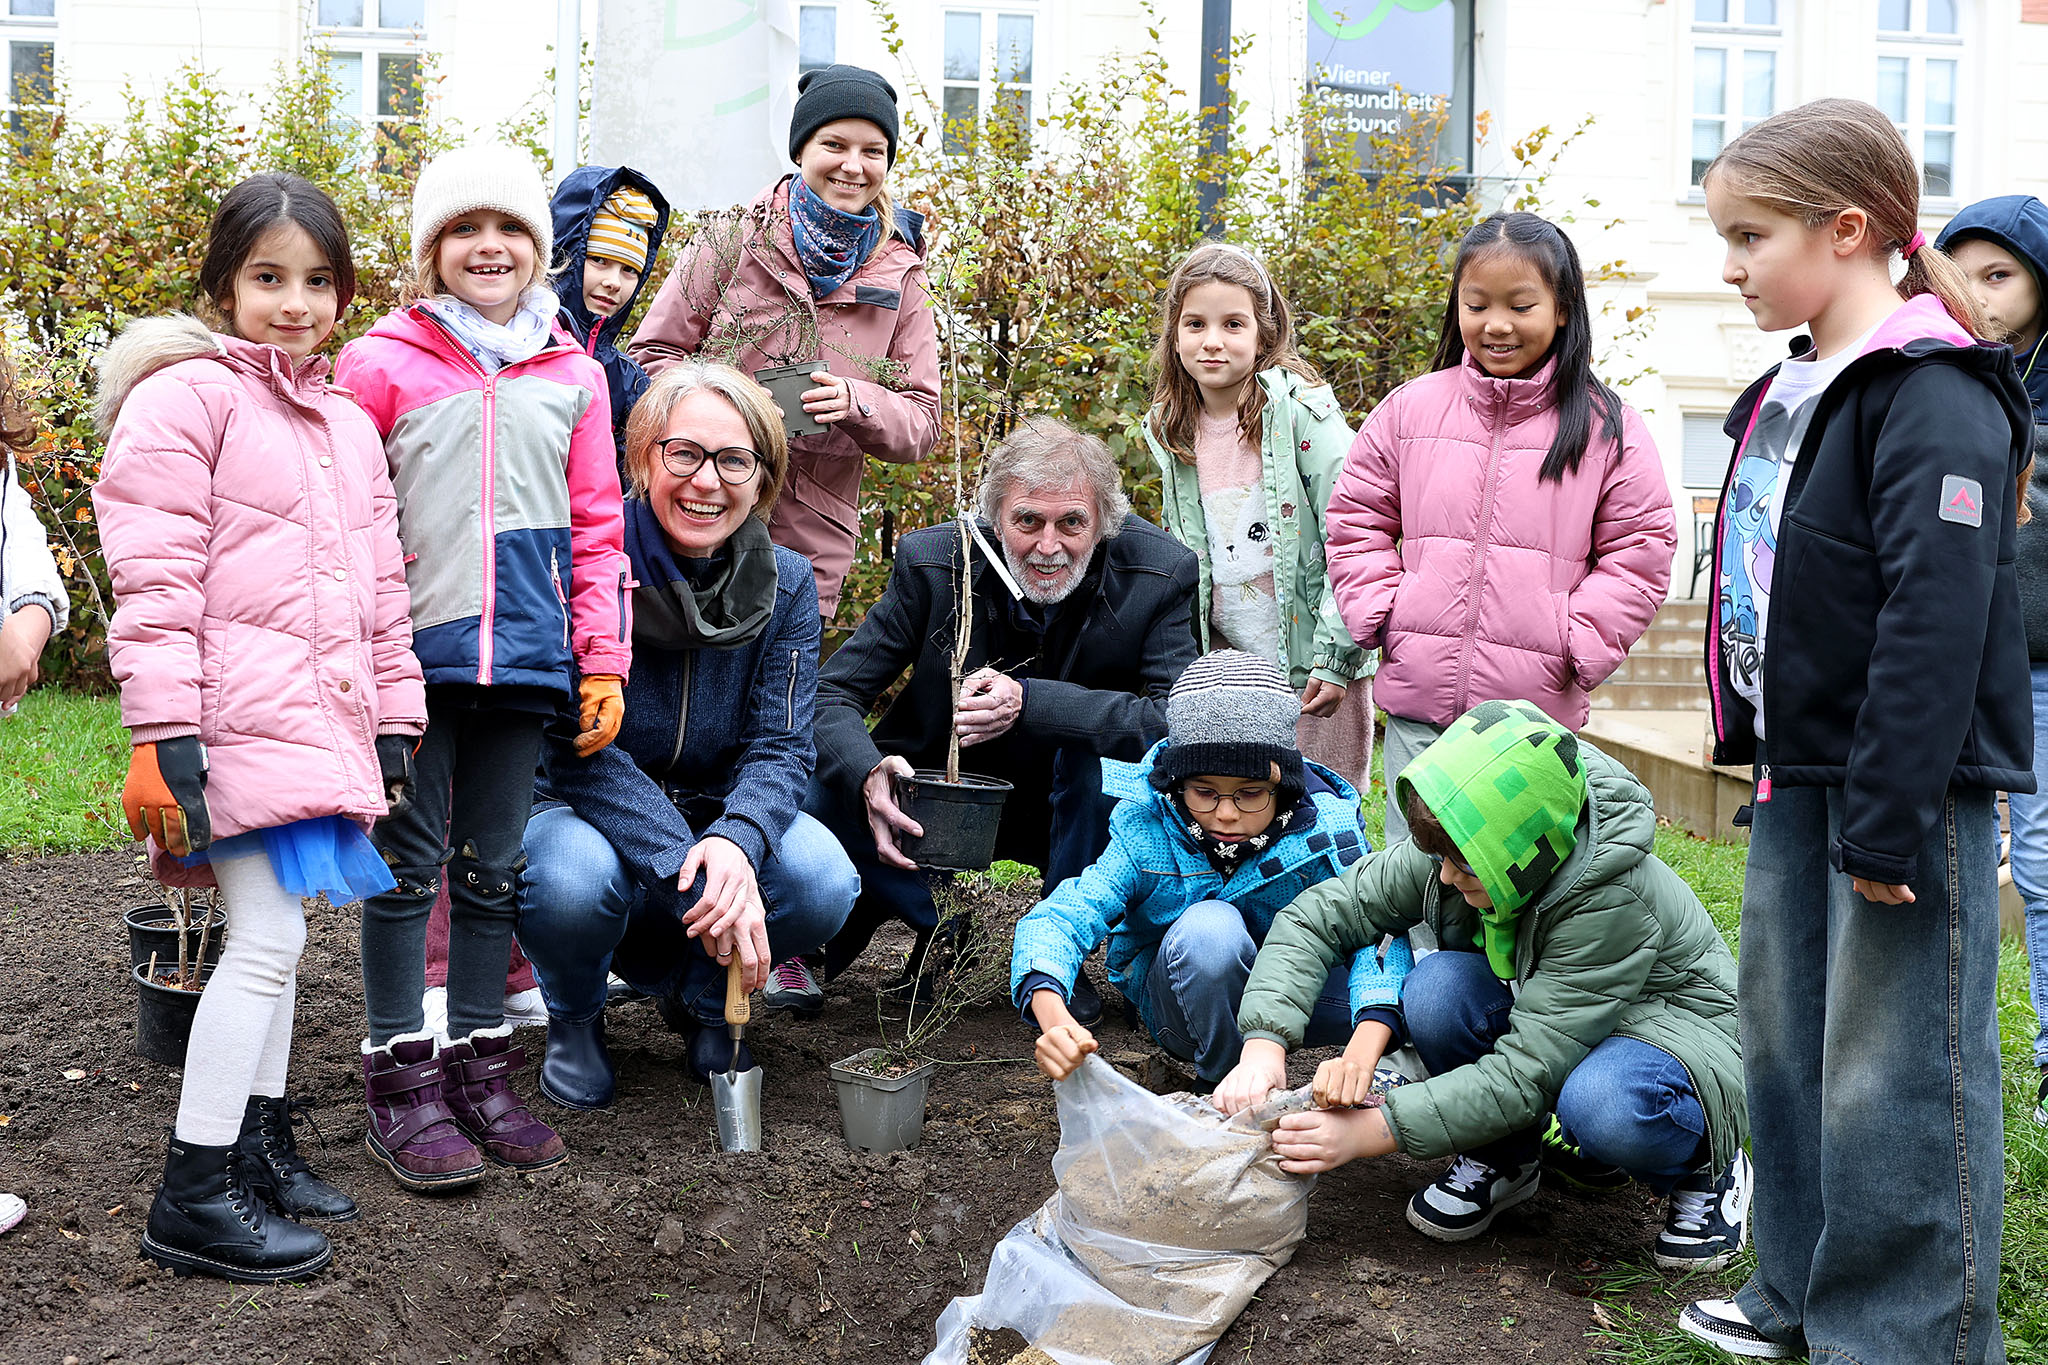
x=479, y=1091
x=412, y=1130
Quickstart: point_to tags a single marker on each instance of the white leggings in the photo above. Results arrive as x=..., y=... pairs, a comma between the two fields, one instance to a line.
x=242, y=1032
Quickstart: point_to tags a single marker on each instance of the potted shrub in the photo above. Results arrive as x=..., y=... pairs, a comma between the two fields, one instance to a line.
x=153, y=932
x=168, y=989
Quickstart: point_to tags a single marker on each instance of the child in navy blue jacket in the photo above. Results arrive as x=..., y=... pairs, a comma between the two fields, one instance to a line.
x=609, y=223
x=1217, y=829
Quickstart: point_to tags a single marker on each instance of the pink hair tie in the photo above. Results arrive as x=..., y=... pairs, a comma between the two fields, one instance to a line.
x=1914, y=243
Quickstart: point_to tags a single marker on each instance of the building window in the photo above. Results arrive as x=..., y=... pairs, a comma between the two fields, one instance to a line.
x=1919, y=56
x=1704, y=460
x=372, y=49
x=989, y=73
x=817, y=37
x=1737, y=56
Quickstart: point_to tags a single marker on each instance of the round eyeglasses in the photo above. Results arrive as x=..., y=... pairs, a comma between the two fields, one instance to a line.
x=1248, y=800
x=684, y=457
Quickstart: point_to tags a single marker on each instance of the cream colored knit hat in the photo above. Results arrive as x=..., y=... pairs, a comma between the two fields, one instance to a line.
x=480, y=176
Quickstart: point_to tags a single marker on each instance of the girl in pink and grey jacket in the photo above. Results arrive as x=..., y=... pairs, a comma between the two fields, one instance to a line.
x=262, y=647
x=497, y=429
x=1502, y=528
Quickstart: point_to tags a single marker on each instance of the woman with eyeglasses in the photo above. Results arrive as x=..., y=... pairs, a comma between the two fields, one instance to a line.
x=1214, y=833
x=651, y=858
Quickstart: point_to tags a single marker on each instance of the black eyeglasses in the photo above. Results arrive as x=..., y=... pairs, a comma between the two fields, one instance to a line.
x=1248, y=800
x=1456, y=862
x=684, y=457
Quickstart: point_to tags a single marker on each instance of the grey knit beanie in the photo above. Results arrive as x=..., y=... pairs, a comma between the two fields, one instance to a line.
x=481, y=176
x=1231, y=714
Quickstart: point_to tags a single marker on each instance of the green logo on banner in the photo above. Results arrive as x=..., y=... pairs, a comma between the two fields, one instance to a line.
x=1337, y=27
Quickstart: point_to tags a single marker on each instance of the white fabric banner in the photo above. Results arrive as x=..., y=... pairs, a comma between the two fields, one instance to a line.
x=697, y=94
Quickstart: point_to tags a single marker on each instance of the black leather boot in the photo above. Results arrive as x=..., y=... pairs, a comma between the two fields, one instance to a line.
x=577, y=1073
x=277, y=1174
x=206, y=1221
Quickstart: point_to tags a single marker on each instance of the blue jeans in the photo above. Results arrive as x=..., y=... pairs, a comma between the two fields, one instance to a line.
x=2030, y=866
x=1870, y=1054
x=1627, y=1103
x=1077, y=833
x=582, y=914
x=1196, y=983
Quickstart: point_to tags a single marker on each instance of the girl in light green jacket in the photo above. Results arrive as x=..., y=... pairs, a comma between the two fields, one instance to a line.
x=1249, y=441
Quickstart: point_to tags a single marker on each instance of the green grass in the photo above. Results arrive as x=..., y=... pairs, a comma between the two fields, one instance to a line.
x=1647, y=1336
x=63, y=758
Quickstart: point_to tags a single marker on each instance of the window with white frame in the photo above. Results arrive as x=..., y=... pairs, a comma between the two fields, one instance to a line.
x=817, y=37
x=373, y=49
x=28, y=31
x=989, y=71
x=1738, y=61
x=1919, y=60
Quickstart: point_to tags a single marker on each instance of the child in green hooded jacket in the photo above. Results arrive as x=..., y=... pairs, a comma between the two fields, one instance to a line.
x=1579, y=986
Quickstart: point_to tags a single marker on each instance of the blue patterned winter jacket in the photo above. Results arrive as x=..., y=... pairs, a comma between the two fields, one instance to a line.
x=1152, y=872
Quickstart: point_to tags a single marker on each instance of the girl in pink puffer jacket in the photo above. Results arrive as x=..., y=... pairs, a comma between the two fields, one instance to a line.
x=1503, y=527
x=263, y=646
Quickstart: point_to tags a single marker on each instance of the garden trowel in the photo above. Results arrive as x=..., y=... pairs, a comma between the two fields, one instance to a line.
x=736, y=1094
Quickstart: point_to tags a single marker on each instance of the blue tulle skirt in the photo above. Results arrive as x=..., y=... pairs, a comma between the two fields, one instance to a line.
x=328, y=856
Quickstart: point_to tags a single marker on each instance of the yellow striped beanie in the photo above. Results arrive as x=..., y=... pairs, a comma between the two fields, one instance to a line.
x=618, y=230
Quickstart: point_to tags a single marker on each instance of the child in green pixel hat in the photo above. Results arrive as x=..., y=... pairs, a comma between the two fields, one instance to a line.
x=1578, y=1015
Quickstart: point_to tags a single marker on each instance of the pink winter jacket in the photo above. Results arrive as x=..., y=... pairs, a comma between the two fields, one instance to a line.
x=737, y=294
x=1475, y=581
x=252, y=537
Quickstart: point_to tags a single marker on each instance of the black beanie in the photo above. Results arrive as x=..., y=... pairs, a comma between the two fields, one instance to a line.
x=837, y=92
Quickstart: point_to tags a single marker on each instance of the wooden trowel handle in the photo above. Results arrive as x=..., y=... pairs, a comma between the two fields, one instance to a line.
x=737, y=1008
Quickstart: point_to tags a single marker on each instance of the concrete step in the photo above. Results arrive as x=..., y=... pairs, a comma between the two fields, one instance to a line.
x=1690, y=616
x=1658, y=667
x=1629, y=695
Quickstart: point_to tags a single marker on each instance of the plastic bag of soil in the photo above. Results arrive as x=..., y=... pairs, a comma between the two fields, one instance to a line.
x=1167, y=1220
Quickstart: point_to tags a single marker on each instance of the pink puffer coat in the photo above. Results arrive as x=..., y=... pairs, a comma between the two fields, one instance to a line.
x=1474, y=580
x=252, y=538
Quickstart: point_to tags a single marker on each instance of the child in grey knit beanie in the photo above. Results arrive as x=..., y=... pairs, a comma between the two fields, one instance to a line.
x=1231, y=714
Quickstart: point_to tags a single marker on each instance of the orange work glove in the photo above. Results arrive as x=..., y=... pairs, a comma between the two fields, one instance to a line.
x=602, y=707
x=165, y=794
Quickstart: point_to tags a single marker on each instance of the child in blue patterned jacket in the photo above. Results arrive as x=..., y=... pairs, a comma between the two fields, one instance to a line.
x=1217, y=829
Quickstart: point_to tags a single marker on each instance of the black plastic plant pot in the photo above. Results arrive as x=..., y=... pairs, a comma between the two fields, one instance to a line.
x=163, y=1015
x=153, y=929
x=959, y=819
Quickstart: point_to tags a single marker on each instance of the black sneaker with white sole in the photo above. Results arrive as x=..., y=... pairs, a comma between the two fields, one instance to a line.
x=1722, y=1323
x=1706, y=1219
x=2041, y=1099
x=1464, y=1200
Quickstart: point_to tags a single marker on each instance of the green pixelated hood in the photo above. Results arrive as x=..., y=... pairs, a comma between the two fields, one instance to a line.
x=1506, y=783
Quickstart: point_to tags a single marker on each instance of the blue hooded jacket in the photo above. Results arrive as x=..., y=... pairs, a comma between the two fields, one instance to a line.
x=581, y=194
x=2019, y=223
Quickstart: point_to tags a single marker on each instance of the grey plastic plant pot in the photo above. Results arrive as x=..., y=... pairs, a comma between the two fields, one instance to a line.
x=881, y=1113
x=163, y=1015
x=153, y=929
x=959, y=819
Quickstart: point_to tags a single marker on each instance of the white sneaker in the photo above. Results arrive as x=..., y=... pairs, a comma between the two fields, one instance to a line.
x=1720, y=1322
x=12, y=1211
x=524, y=1009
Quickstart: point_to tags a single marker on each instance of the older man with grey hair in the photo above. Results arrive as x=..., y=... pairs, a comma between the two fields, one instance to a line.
x=1082, y=620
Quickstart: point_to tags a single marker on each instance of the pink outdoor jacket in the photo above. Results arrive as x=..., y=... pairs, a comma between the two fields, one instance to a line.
x=252, y=538
x=737, y=294
x=1475, y=581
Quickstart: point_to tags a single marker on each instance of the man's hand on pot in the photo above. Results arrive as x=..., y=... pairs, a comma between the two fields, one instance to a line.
x=1261, y=1069
x=990, y=703
x=728, y=885
x=747, y=937
x=885, y=817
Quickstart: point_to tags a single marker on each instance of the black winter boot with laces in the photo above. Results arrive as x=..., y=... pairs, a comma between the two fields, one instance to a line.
x=206, y=1221
x=277, y=1173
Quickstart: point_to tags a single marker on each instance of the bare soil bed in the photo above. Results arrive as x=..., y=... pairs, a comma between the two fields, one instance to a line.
x=649, y=1244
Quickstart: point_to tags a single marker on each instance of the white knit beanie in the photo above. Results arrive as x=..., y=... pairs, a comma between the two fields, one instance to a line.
x=480, y=176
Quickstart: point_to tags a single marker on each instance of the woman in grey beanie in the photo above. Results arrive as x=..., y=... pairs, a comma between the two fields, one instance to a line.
x=823, y=270
x=1218, y=828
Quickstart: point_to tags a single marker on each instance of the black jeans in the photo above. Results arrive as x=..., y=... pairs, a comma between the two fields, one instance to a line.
x=475, y=769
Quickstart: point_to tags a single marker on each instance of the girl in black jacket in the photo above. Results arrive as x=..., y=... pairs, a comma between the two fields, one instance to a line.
x=1866, y=653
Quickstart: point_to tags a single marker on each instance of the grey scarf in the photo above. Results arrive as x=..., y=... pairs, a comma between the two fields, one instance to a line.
x=729, y=608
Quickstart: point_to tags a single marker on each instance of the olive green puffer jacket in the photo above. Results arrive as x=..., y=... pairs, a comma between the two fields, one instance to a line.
x=1615, y=944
